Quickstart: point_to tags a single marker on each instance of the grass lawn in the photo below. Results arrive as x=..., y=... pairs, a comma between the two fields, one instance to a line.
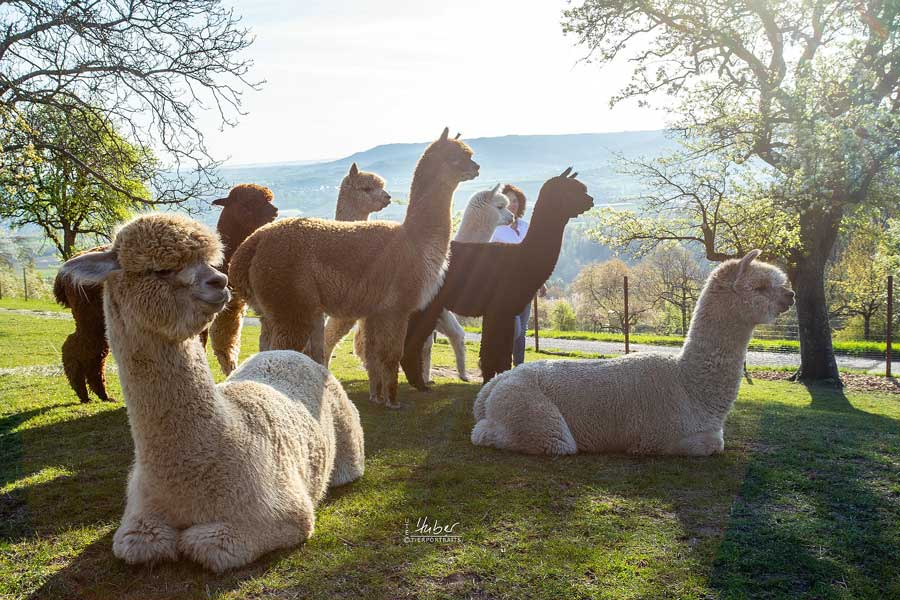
x=22, y=303
x=805, y=502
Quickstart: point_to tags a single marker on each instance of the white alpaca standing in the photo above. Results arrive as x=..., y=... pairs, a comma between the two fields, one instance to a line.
x=642, y=403
x=485, y=211
x=222, y=473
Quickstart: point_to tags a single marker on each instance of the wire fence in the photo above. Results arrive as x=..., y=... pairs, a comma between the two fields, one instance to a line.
x=776, y=344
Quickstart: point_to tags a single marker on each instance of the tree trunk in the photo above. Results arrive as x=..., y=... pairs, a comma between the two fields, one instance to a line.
x=818, y=231
x=867, y=319
x=68, y=243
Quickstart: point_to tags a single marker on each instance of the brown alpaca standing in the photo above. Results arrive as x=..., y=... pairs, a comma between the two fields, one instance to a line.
x=296, y=270
x=496, y=281
x=360, y=195
x=84, y=352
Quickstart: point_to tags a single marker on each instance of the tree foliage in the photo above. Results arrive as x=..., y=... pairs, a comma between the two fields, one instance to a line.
x=144, y=67
x=600, y=295
x=801, y=99
x=64, y=196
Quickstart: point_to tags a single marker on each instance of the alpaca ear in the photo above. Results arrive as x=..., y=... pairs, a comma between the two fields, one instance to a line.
x=496, y=189
x=444, y=135
x=220, y=202
x=573, y=175
x=354, y=170
x=745, y=262
x=457, y=135
x=90, y=268
x=566, y=172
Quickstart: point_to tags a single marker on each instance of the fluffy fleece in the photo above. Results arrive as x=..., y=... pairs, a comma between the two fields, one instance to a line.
x=361, y=194
x=295, y=271
x=642, y=403
x=84, y=352
x=222, y=473
x=515, y=272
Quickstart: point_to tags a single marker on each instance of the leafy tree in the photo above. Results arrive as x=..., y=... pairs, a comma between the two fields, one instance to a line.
x=145, y=66
x=858, y=277
x=562, y=316
x=671, y=277
x=599, y=290
x=803, y=95
x=63, y=195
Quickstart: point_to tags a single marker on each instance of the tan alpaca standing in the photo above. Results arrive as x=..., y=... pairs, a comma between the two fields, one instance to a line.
x=644, y=403
x=222, y=473
x=296, y=270
x=360, y=195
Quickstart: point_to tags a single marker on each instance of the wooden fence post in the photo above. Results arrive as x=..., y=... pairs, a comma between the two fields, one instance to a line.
x=537, y=337
x=890, y=325
x=626, y=315
x=25, y=283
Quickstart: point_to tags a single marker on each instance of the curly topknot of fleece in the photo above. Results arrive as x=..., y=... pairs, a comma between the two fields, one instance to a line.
x=247, y=190
x=164, y=241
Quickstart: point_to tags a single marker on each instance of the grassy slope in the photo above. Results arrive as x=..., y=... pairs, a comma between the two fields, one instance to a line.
x=21, y=303
x=804, y=503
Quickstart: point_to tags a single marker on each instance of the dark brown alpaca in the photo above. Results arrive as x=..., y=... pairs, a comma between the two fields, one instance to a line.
x=496, y=281
x=84, y=352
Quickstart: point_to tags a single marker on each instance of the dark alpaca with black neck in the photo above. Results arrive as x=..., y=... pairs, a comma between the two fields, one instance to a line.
x=496, y=281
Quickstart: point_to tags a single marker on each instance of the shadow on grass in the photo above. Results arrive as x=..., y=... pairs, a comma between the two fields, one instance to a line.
x=818, y=511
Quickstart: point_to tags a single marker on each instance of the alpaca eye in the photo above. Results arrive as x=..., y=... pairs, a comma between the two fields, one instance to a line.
x=163, y=272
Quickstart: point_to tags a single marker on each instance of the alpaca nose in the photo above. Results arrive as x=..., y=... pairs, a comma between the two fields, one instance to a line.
x=387, y=196
x=217, y=280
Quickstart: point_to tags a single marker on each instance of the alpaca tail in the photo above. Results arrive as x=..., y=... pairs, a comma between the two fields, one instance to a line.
x=60, y=288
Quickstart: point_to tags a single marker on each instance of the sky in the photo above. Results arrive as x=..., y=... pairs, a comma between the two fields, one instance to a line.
x=346, y=75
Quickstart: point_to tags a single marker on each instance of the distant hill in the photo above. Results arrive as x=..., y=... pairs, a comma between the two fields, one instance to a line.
x=525, y=160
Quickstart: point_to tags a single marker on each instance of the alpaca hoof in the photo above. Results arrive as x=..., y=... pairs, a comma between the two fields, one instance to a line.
x=464, y=378
x=429, y=382
x=214, y=546
x=394, y=405
x=374, y=399
x=145, y=543
x=108, y=399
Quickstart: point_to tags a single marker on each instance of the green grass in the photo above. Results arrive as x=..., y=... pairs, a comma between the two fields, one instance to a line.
x=852, y=348
x=21, y=303
x=805, y=502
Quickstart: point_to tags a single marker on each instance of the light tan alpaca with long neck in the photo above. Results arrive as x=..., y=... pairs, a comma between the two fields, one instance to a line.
x=296, y=270
x=485, y=211
x=643, y=403
x=222, y=473
x=360, y=195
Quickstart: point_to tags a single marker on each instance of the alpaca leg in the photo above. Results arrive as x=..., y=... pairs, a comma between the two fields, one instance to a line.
x=517, y=417
x=227, y=545
x=265, y=335
x=73, y=365
x=449, y=326
x=291, y=332
x=350, y=454
x=96, y=371
x=225, y=334
x=145, y=538
x=384, y=347
x=703, y=443
x=426, y=360
x=335, y=330
x=496, y=345
x=316, y=344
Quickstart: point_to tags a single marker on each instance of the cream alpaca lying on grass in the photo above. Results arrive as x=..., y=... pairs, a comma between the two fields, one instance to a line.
x=222, y=473
x=642, y=403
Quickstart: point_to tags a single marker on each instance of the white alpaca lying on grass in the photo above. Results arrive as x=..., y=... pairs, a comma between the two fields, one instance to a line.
x=643, y=403
x=222, y=473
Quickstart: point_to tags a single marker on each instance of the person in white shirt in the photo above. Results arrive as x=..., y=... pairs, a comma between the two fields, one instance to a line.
x=514, y=233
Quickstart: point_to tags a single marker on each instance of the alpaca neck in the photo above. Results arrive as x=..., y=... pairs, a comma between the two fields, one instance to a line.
x=347, y=209
x=232, y=235
x=475, y=229
x=428, y=219
x=169, y=390
x=543, y=241
x=712, y=359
